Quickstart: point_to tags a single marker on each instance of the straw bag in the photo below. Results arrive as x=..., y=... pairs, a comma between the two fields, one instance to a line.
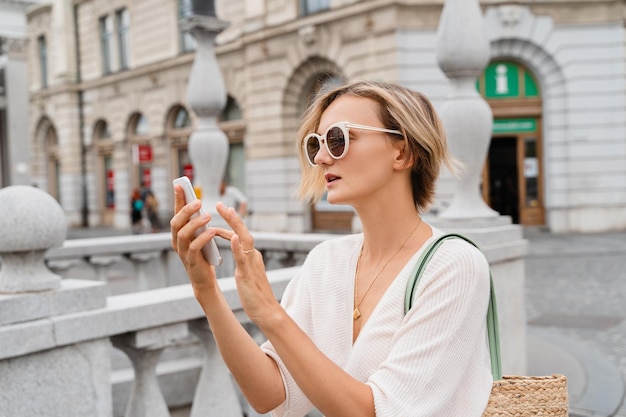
x=511, y=395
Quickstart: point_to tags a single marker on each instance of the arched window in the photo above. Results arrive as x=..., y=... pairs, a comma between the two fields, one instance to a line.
x=178, y=128
x=104, y=150
x=314, y=85
x=182, y=119
x=232, y=123
x=53, y=162
x=140, y=125
x=141, y=151
x=101, y=131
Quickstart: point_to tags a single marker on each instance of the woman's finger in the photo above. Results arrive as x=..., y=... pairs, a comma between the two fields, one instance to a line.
x=181, y=219
x=179, y=198
x=224, y=233
x=239, y=228
x=241, y=254
x=194, y=254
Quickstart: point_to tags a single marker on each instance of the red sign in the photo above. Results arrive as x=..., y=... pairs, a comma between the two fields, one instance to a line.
x=188, y=171
x=110, y=180
x=146, y=177
x=145, y=154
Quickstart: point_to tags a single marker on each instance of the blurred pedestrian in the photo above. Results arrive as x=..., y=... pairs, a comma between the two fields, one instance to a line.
x=152, y=205
x=136, y=211
x=232, y=196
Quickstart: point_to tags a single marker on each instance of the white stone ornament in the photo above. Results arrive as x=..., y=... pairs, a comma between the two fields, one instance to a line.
x=206, y=94
x=463, y=53
x=32, y=222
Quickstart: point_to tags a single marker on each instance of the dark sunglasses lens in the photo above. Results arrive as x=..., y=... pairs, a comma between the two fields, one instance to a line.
x=336, y=142
x=312, y=148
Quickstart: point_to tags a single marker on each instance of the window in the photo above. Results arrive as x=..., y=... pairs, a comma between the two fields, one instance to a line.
x=122, y=21
x=104, y=146
x=141, y=126
x=179, y=127
x=187, y=42
x=231, y=111
x=53, y=167
x=106, y=31
x=43, y=60
x=231, y=122
x=182, y=119
x=313, y=6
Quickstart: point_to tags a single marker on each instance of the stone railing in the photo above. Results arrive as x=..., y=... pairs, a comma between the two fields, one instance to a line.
x=150, y=262
x=71, y=346
x=60, y=362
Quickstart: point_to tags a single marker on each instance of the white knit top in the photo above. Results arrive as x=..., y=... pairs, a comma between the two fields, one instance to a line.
x=433, y=361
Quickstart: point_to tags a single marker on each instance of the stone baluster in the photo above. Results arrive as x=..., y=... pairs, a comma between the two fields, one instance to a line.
x=35, y=223
x=68, y=379
x=206, y=94
x=144, y=348
x=463, y=53
x=141, y=261
x=216, y=394
x=102, y=264
x=62, y=266
x=164, y=262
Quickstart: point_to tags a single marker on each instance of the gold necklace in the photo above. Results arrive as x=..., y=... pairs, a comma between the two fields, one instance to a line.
x=357, y=313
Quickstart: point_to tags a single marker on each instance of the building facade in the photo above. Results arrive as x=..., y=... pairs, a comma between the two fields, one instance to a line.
x=109, y=112
x=14, y=134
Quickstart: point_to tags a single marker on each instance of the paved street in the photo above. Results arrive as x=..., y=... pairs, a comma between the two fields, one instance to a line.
x=576, y=292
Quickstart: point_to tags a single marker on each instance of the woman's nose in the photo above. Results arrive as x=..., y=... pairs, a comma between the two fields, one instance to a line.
x=323, y=157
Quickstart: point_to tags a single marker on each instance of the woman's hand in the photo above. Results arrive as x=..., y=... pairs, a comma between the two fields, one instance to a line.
x=255, y=292
x=188, y=246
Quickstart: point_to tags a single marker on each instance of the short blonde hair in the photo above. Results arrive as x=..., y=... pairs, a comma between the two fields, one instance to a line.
x=401, y=109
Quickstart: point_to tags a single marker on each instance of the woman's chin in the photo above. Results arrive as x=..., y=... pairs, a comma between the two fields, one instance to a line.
x=335, y=199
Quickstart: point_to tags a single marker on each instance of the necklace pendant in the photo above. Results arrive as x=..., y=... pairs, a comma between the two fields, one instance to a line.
x=356, y=313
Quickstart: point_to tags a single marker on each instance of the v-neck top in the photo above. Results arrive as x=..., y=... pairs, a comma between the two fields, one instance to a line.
x=433, y=361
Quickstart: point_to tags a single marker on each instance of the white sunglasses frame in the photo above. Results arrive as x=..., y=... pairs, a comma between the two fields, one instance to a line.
x=345, y=128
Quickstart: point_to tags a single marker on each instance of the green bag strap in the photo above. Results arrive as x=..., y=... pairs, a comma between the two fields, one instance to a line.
x=492, y=312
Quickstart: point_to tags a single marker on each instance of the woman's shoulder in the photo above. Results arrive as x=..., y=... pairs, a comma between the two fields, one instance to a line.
x=457, y=250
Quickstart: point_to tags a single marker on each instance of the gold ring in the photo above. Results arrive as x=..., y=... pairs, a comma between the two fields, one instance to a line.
x=245, y=252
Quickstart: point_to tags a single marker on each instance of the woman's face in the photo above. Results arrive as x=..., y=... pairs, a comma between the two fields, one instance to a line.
x=370, y=162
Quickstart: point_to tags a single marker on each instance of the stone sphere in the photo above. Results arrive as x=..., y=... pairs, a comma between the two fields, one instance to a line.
x=30, y=219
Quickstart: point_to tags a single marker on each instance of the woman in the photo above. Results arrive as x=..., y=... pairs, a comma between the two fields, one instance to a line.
x=340, y=341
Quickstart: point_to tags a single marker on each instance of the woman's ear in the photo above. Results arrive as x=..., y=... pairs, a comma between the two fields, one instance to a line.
x=402, y=158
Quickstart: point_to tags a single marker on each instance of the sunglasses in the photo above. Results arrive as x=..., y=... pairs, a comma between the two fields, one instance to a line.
x=336, y=140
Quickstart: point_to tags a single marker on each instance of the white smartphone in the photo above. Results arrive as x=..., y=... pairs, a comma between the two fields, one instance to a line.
x=209, y=251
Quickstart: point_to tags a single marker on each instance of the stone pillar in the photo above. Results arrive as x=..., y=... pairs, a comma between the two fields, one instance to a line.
x=463, y=53
x=206, y=94
x=66, y=380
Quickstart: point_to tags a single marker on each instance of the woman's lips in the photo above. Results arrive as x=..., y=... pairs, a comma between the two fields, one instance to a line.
x=331, y=178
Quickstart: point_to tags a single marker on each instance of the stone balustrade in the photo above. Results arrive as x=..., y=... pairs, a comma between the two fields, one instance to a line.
x=141, y=324
x=150, y=260
x=70, y=346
